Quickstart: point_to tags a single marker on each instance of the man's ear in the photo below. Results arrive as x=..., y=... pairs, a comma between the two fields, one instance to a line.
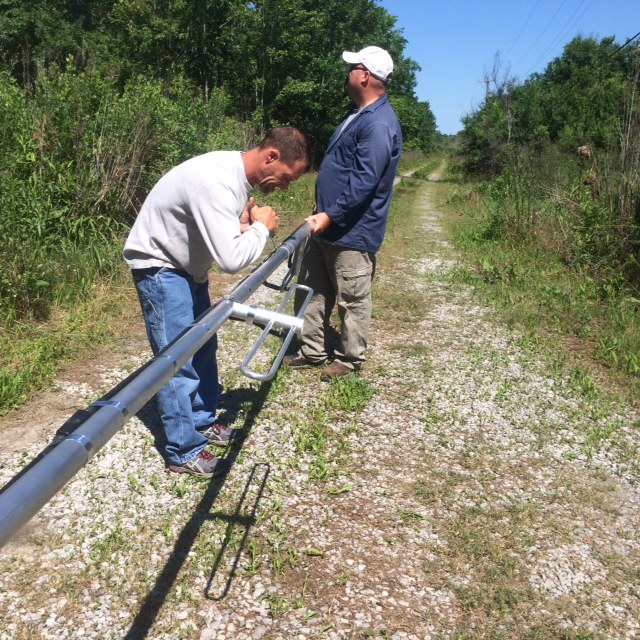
x=272, y=155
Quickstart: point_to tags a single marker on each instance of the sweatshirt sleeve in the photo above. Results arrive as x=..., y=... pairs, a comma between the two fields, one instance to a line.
x=216, y=211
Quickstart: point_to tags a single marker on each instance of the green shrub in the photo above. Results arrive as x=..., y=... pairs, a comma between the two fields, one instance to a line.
x=78, y=156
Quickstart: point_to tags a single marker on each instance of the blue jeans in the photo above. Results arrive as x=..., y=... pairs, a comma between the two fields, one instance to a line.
x=171, y=300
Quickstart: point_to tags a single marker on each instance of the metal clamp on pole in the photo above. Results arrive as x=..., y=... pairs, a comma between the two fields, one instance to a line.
x=294, y=267
x=271, y=320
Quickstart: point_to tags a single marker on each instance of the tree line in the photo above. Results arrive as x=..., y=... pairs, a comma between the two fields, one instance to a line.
x=278, y=61
x=561, y=151
x=100, y=97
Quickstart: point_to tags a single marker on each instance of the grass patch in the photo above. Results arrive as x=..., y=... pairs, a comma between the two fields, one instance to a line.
x=33, y=352
x=350, y=393
x=594, y=315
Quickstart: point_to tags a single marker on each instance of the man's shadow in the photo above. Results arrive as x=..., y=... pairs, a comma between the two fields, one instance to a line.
x=229, y=406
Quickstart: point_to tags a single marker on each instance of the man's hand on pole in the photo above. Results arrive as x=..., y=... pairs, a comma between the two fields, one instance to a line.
x=319, y=222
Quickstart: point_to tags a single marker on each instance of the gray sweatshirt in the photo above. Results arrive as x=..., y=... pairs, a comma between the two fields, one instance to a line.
x=191, y=217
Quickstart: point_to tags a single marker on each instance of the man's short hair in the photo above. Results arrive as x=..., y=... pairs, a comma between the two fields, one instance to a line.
x=291, y=143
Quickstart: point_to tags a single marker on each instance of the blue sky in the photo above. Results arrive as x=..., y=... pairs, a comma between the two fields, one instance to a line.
x=455, y=41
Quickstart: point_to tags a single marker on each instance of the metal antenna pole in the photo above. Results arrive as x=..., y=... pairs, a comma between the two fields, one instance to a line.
x=23, y=496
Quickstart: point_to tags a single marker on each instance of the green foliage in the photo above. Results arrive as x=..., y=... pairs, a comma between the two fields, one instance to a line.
x=417, y=121
x=309, y=438
x=38, y=32
x=37, y=362
x=578, y=100
x=31, y=355
x=582, y=93
x=350, y=393
x=535, y=284
x=278, y=61
x=77, y=157
x=562, y=152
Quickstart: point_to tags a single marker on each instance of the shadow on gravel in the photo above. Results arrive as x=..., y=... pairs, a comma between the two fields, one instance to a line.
x=258, y=476
x=203, y=513
x=73, y=423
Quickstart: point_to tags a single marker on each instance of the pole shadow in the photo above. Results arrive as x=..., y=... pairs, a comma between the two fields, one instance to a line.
x=237, y=518
x=158, y=594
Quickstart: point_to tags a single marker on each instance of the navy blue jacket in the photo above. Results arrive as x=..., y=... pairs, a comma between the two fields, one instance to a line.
x=355, y=180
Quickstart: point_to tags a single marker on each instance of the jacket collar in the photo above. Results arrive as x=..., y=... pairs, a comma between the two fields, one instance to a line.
x=370, y=107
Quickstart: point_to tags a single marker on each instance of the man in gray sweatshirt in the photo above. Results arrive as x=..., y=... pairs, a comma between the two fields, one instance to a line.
x=198, y=213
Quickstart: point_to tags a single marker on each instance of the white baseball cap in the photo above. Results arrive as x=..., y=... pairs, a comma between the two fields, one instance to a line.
x=377, y=60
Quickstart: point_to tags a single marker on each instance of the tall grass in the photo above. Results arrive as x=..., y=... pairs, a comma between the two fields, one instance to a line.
x=557, y=232
x=546, y=251
x=77, y=156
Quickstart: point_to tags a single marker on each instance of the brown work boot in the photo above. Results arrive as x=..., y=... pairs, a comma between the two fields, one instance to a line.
x=298, y=361
x=335, y=370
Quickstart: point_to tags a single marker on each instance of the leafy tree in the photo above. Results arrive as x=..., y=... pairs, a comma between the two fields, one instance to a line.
x=417, y=121
x=38, y=31
x=300, y=72
x=568, y=141
x=576, y=101
x=279, y=61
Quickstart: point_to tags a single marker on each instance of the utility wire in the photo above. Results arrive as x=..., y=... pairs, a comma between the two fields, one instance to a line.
x=629, y=41
x=568, y=25
x=543, y=31
x=524, y=26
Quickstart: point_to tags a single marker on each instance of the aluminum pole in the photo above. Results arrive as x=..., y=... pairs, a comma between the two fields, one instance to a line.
x=23, y=496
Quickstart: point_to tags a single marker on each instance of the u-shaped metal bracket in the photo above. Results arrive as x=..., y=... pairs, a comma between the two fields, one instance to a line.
x=272, y=320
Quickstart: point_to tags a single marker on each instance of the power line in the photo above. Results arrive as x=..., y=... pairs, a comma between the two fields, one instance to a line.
x=626, y=43
x=524, y=26
x=543, y=31
x=563, y=31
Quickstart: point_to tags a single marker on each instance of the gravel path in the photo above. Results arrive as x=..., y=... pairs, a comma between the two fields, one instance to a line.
x=466, y=486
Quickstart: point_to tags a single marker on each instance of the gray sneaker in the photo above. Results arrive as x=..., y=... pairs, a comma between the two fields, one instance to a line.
x=218, y=434
x=203, y=465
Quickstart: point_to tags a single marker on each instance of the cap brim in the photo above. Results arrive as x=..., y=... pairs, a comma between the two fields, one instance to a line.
x=350, y=57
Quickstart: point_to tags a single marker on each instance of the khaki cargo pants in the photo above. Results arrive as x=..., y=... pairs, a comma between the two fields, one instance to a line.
x=343, y=277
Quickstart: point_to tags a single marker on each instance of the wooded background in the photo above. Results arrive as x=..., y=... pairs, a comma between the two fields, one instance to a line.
x=98, y=98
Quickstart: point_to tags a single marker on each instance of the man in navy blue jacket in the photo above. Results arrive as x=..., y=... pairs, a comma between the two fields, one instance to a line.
x=353, y=193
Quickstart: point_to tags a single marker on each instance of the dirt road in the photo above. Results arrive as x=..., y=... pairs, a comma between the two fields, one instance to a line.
x=466, y=486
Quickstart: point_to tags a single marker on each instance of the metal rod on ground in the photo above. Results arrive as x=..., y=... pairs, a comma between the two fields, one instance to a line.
x=32, y=488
